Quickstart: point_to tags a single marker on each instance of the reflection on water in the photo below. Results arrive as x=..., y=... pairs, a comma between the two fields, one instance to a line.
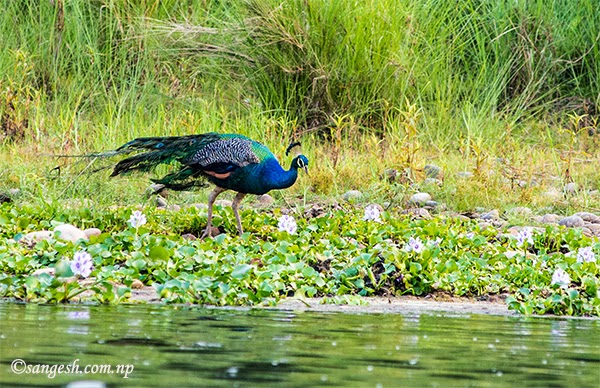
x=175, y=346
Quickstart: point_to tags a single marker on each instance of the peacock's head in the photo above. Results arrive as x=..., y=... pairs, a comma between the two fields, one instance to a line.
x=300, y=161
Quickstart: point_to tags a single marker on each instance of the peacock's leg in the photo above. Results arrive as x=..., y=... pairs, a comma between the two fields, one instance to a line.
x=211, y=200
x=235, y=206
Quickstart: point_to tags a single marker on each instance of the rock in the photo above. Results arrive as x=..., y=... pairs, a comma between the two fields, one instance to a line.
x=593, y=228
x=200, y=206
x=520, y=211
x=377, y=206
x=34, y=237
x=390, y=174
x=418, y=213
x=588, y=217
x=594, y=193
x=161, y=202
x=419, y=198
x=352, y=195
x=71, y=233
x=465, y=175
x=157, y=188
x=550, y=219
x=137, y=284
x=223, y=202
x=553, y=194
x=265, y=200
x=484, y=225
x=431, y=204
x=432, y=171
x=41, y=271
x=570, y=188
x=189, y=236
x=571, y=222
x=89, y=232
x=174, y=208
x=432, y=182
x=491, y=215
x=214, y=231
x=586, y=232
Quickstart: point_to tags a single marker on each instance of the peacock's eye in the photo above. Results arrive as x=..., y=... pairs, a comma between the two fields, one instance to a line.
x=300, y=163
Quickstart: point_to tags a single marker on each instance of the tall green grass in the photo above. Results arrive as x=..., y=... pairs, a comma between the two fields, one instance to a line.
x=384, y=82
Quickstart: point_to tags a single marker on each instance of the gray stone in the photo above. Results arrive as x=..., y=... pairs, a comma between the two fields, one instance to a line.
x=34, y=237
x=89, y=232
x=570, y=188
x=550, y=219
x=571, y=222
x=174, y=207
x=419, y=198
x=432, y=171
x=594, y=229
x=491, y=215
x=432, y=182
x=71, y=233
x=200, y=206
x=265, y=200
x=42, y=271
x=14, y=193
x=588, y=217
x=465, y=174
x=553, y=194
x=390, y=174
x=418, y=213
x=431, y=204
x=161, y=202
x=222, y=202
x=520, y=211
x=352, y=195
x=189, y=236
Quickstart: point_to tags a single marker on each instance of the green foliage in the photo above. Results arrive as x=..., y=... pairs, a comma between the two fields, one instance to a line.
x=338, y=256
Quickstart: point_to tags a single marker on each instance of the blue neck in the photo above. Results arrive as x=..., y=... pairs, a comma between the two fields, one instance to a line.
x=275, y=177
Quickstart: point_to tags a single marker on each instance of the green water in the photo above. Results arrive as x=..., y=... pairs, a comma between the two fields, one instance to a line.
x=171, y=346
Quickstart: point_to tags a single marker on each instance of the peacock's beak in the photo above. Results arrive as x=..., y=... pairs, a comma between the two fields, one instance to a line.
x=306, y=169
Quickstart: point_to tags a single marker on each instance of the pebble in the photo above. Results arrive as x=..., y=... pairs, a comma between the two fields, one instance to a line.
x=189, y=236
x=34, y=237
x=265, y=200
x=418, y=212
x=419, y=198
x=570, y=188
x=594, y=229
x=223, y=202
x=137, y=284
x=161, y=202
x=431, y=204
x=491, y=215
x=390, y=174
x=352, y=195
x=550, y=219
x=465, y=174
x=432, y=182
x=89, y=232
x=553, y=194
x=588, y=217
x=432, y=171
x=71, y=233
x=571, y=222
x=46, y=270
x=520, y=211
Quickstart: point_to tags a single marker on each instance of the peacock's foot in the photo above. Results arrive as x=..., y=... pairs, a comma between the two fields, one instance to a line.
x=210, y=232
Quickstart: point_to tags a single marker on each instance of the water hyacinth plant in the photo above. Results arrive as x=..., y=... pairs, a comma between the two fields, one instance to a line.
x=287, y=223
x=414, y=245
x=561, y=278
x=82, y=264
x=137, y=219
x=524, y=237
x=372, y=213
x=586, y=255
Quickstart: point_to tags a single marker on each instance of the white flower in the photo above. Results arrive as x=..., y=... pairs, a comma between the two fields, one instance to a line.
x=470, y=235
x=414, y=245
x=287, y=224
x=372, y=213
x=586, y=255
x=561, y=278
x=435, y=243
x=137, y=219
x=524, y=236
x=82, y=264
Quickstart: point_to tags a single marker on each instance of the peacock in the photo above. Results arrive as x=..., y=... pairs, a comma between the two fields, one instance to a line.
x=229, y=161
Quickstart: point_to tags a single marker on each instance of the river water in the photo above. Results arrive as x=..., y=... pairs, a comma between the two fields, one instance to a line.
x=150, y=345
